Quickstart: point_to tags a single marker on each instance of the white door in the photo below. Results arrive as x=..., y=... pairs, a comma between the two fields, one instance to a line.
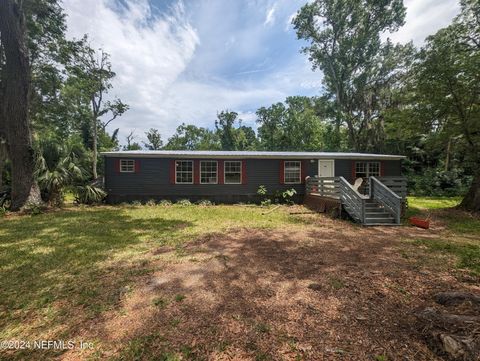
x=326, y=168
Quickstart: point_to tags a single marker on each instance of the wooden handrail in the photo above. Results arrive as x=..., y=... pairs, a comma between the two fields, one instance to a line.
x=323, y=186
x=347, y=183
x=393, y=194
x=353, y=200
x=386, y=197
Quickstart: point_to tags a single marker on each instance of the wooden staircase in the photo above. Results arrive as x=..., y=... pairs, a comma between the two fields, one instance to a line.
x=376, y=214
x=382, y=206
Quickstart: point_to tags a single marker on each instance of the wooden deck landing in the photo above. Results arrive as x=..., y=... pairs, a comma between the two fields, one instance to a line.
x=318, y=203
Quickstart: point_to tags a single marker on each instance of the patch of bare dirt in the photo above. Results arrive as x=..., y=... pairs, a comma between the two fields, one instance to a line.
x=331, y=291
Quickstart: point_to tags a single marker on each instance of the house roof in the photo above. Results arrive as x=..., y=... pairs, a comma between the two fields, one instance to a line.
x=246, y=154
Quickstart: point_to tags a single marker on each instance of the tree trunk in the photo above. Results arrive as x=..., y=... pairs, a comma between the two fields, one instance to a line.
x=471, y=201
x=3, y=158
x=95, y=148
x=447, y=157
x=16, y=79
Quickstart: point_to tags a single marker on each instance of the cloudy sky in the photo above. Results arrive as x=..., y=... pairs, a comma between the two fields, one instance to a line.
x=182, y=61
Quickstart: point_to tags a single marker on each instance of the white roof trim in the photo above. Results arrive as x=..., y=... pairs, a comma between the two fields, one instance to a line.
x=247, y=154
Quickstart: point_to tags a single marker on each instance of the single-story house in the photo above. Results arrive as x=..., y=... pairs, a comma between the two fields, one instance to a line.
x=231, y=176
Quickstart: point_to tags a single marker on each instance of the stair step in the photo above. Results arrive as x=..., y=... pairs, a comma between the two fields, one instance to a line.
x=379, y=220
x=378, y=215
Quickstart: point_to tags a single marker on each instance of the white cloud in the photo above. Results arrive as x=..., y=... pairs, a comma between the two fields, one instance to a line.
x=270, y=16
x=425, y=18
x=181, y=66
x=288, y=23
x=148, y=53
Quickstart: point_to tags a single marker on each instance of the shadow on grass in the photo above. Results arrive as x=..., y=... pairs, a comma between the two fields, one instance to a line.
x=63, y=268
x=253, y=299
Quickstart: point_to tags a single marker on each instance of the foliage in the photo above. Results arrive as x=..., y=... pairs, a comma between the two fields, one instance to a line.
x=154, y=140
x=438, y=182
x=165, y=203
x=190, y=137
x=89, y=194
x=231, y=138
x=58, y=167
x=151, y=203
x=262, y=190
x=299, y=124
x=90, y=80
x=441, y=100
x=184, y=202
x=131, y=145
x=359, y=69
x=34, y=209
x=288, y=195
x=205, y=203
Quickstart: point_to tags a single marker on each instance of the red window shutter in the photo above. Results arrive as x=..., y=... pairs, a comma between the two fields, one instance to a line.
x=282, y=172
x=354, y=174
x=196, y=171
x=220, y=172
x=382, y=169
x=137, y=165
x=244, y=172
x=172, y=172
x=304, y=165
x=117, y=165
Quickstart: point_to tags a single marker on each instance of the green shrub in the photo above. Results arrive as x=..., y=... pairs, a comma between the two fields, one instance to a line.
x=3, y=212
x=288, y=195
x=262, y=190
x=184, y=202
x=438, y=182
x=266, y=202
x=165, y=203
x=151, y=203
x=33, y=209
x=205, y=203
x=136, y=203
x=89, y=194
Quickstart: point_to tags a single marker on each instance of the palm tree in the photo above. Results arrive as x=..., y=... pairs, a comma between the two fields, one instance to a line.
x=58, y=167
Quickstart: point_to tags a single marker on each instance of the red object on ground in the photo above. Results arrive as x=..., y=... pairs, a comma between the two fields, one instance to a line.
x=422, y=223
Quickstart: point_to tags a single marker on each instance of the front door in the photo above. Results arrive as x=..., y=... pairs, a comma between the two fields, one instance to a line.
x=326, y=168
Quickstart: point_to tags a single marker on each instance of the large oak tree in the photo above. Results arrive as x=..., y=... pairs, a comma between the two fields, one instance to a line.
x=359, y=69
x=14, y=103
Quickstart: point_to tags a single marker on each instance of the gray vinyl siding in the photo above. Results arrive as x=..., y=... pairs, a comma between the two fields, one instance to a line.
x=152, y=181
x=343, y=168
x=393, y=168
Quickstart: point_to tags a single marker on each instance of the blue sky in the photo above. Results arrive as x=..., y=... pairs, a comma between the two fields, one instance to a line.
x=182, y=61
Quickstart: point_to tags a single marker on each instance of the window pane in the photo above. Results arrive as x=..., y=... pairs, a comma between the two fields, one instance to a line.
x=184, y=171
x=293, y=172
x=233, y=172
x=127, y=165
x=374, y=169
x=361, y=170
x=208, y=172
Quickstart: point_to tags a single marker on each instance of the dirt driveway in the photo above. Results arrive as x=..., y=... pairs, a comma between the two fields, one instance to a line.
x=333, y=291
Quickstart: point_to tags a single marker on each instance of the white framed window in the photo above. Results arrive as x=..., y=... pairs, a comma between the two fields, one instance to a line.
x=233, y=172
x=367, y=169
x=127, y=166
x=293, y=172
x=184, y=171
x=208, y=172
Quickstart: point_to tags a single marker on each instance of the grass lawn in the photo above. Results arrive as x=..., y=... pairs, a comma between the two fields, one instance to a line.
x=461, y=236
x=63, y=267
x=66, y=273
